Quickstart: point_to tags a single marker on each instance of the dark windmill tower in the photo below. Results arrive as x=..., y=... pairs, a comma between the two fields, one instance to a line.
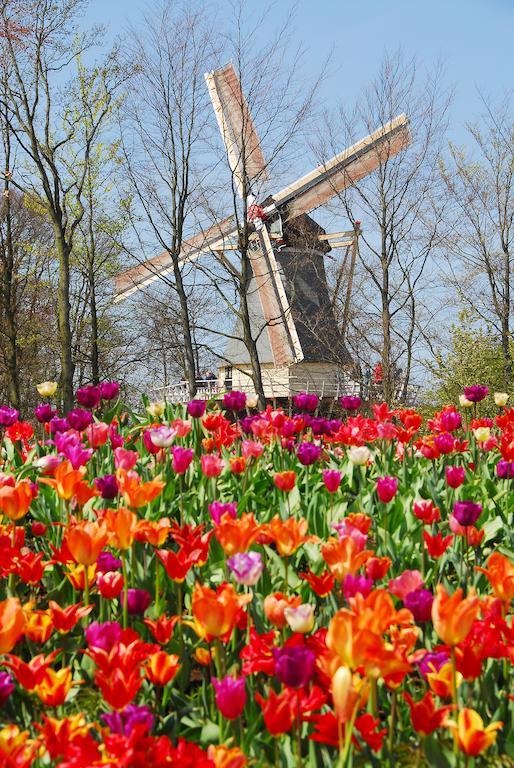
x=299, y=343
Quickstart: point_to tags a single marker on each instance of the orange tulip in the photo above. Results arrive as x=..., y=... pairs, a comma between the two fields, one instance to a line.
x=500, y=573
x=216, y=612
x=83, y=493
x=237, y=465
x=86, y=540
x=153, y=532
x=55, y=686
x=162, y=667
x=471, y=735
x=15, y=500
x=453, y=616
x=12, y=623
x=136, y=493
x=237, y=535
x=287, y=535
x=343, y=556
x=227, y=757
x=65, y=480
x=122, y=525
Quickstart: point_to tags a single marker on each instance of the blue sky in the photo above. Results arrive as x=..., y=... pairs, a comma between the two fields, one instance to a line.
x=473, y=38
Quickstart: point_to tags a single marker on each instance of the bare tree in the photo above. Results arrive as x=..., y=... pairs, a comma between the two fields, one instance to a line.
x=164, y=143
x=480, y=181
x=401, y=206
x=41, y=44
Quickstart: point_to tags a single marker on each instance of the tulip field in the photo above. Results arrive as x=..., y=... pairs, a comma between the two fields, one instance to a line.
x=207, y=585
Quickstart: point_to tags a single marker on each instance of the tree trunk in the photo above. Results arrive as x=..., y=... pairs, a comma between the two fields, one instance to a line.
x=63, y=319
x=251, y=346
x=387, y=387
x=95, y=365
x=189, y=355
x=506, y=352
x=11, y=350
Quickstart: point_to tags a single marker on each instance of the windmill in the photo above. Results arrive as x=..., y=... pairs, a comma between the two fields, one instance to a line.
x=299, y=343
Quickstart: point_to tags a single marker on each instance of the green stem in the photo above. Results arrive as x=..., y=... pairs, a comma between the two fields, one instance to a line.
x=86, y=586
x=392, y=722
x=125, y=588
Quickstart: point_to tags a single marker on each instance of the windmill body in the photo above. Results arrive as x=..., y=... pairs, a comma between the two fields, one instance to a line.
x=299, y=343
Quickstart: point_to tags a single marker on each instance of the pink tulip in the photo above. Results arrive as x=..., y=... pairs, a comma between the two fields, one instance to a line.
x=386, y=488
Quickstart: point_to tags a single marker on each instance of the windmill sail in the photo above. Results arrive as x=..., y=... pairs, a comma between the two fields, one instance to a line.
x=236, y=125
x=138, y=277
x=345, y=169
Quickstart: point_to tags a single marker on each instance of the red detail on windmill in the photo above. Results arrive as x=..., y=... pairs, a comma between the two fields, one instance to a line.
x=256, y=212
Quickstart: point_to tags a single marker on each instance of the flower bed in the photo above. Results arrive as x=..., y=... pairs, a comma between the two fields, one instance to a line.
x=222, y=588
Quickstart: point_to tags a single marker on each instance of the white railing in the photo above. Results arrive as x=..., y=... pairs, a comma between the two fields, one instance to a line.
x=206, y=389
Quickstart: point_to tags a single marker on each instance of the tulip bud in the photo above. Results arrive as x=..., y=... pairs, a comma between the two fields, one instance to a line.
x=500, y=399
x=341, y=689
x=464, y=402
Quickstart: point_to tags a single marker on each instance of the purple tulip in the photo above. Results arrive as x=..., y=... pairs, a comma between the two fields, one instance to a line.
x=234, y=401
x=138, y=601
x=319, y=427
x=8, y=416
x=79, y=419
x=218, y=508
x=115, y=437
x=476, y=393
x=433, y=661
x=196, y=408
x=246, y=567
x=123, y=723
x=107, y=562
x=109, y=390
x=419, y=603
x=467, y=512
x=294, y=665
x=351, y=403
x=6, y=687
x=230, y=695
x=88, y=397
x=505, y=470
x=306, y=401
x=108, y=486
x=308, y=453
x=58, y=424
x=44, y=413
x=104, y=635
x=354, y=585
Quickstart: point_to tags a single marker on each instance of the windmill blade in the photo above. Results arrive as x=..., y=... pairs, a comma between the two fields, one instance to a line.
x=349, y=166
x=284, y=341
x=210, y=241
x=236, y=125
